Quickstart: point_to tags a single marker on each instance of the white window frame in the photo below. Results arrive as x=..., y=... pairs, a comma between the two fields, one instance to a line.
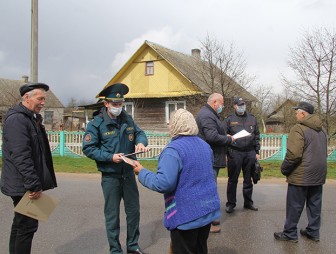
x=132, y=107
x=149, y=68
x=167, y=113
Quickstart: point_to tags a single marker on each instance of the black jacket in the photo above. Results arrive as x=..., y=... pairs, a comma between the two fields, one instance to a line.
x=213, y=132
x=26, y=159
x=235, y=123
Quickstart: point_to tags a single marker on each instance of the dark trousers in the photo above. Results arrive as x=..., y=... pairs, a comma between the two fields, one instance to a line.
x=22, y=232
x=115, y=189
x=238, y=161
x=192, y=241
x=297, y=197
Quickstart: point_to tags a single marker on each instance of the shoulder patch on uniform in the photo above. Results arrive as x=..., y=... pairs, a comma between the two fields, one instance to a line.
x=87, y=138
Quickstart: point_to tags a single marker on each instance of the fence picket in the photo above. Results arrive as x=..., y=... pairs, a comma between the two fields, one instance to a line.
x=65, y=143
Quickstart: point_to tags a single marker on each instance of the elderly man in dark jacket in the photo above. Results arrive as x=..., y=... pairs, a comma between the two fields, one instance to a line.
x=213, y=132
x=305, y=167
x=26, y=162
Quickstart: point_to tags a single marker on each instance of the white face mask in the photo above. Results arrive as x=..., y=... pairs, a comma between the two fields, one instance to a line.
x=115, y=111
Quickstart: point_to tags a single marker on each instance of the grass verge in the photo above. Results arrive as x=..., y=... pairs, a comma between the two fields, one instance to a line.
x=85, y=165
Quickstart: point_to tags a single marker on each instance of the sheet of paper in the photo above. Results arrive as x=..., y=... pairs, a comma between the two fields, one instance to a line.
x=241, y=134
x=128, y=161
x=39, y=209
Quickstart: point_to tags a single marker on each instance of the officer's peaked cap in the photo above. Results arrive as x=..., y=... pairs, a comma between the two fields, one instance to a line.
x=114, y=92
x=239, y=101
x=31, y=86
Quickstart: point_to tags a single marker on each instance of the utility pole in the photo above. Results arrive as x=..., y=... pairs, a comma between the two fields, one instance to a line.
x=34, y=42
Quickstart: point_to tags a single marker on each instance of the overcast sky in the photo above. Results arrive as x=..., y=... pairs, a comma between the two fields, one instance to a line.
x=83, y=43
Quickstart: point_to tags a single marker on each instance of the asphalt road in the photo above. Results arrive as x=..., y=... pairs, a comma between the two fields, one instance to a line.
x=77, y=224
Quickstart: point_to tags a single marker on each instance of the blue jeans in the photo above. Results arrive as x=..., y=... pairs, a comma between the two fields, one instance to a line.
x=22, y=233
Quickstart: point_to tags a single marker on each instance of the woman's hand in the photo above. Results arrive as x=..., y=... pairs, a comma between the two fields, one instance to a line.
x=137, y=168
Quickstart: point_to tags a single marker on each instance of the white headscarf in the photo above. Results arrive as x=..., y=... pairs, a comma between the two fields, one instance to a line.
x=182, y=122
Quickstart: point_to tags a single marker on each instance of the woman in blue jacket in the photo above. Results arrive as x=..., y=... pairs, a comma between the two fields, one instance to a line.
x=185, y=177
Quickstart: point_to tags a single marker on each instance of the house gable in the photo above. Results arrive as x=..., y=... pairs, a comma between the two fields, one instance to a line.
x=177, y=80
x=167, y=81
x=175, y=74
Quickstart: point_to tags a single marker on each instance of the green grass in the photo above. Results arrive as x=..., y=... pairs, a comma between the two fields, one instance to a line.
x=84, y=165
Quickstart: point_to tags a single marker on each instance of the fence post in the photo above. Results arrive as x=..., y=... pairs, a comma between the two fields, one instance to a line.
x=283, y=146
x=62, y=143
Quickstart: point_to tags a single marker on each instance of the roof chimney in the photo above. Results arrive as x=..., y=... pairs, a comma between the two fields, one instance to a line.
x=196, y=53
x=25, y=78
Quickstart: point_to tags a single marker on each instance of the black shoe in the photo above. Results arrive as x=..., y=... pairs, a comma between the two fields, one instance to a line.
x=304, y=232
x=229, y=209
x=282, y=237
x=251, y=207
x=137, y=251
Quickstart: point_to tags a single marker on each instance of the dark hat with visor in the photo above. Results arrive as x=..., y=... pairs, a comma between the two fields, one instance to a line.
x=239, y=101
x=31, y=86
x=305, y=106
x=114, y=92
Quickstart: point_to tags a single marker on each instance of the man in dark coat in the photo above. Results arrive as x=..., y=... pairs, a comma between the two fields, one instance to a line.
x=26, y=162
x=242, y=154
x=213, y=132
x=305, y=166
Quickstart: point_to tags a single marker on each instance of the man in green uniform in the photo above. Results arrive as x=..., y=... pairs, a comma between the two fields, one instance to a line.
x=109, y=135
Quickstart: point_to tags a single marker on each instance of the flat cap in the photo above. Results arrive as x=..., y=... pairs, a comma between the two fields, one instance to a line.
x=239, y=101
x=305, y=106
x=31, y=86
x=114, y=92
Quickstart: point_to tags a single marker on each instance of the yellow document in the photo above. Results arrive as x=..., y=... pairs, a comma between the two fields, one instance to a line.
x=39, y=209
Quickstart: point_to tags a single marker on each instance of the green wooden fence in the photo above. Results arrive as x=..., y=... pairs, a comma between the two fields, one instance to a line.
x=65, y=143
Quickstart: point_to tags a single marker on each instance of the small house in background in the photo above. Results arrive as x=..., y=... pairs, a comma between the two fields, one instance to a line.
x=161, y=80
x=52, y=112
x=282, y=119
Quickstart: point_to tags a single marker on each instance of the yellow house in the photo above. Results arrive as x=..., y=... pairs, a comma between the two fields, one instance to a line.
x=161, y=80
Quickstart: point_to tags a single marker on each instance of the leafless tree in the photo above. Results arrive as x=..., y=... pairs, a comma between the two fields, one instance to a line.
x=224, y=66
x=313, y=62
x=262, y=108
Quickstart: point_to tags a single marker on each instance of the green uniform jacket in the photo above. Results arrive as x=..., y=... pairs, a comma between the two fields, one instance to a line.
x=305, y=163
x=104, y=138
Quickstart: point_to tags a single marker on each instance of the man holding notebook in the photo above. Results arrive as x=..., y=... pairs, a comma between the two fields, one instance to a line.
x=27, y=164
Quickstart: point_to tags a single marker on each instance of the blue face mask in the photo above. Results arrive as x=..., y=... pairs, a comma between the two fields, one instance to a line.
x=241, y=109
x=220, y=109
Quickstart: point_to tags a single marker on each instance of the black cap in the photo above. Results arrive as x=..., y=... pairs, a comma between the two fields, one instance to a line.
x=239, y=101
x=31, y=86
x=305, y=106
x=114, y=92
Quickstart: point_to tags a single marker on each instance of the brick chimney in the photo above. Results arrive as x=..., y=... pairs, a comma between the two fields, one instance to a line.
x=196, y=53
x=25, y=78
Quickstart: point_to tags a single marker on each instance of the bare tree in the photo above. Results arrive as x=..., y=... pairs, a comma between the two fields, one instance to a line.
x=224, y=66
x=262, y=108
x=313, y=62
